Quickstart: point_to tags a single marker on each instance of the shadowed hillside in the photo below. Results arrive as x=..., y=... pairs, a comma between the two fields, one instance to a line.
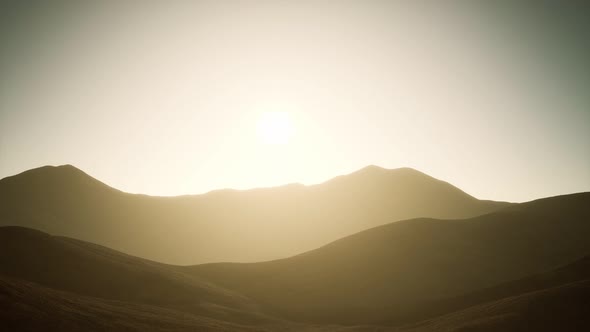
x=226, y=225
x=562, y=308
x=390, y=271
x=91, y=270
x=26, y=306
x=555, y=300
x=558, y=300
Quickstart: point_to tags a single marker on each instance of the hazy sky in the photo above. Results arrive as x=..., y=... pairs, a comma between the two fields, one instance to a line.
x=176, y=97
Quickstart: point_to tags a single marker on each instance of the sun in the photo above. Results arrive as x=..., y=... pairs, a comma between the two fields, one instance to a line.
x=275, y=128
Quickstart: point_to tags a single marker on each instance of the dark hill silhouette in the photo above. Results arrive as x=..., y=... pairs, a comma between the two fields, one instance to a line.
x=390, y=271
x=561, y=308
x=571, y=304
x=30, y=307
x=91, y=270
x=558, y=300
x=226, y=225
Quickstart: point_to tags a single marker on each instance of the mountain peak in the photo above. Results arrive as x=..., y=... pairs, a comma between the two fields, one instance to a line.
x=50, y=171
x=59, y=169
x=379, y=171
x=372, y=168
x=62, y=175
x=67, y=166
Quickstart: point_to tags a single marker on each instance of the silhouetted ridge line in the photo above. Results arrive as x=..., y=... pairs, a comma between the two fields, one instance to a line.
x=227, y=225
x=64, y=175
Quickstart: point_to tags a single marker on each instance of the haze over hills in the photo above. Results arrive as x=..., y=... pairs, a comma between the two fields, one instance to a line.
x=227, y=225
x=148, y=98
x=417, y=275
x=388, y=271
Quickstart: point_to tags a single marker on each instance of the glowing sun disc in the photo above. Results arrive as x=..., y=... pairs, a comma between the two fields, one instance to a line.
x=275, y=128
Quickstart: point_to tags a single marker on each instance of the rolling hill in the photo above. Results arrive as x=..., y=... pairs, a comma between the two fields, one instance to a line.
x=91, y=270
x=30, y=307
x=418, y=275
x=573, y=273
x=558, y=300
x=227, y=225
x=390, y=271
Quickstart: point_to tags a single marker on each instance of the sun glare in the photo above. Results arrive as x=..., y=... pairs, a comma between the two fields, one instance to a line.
x=275, y=128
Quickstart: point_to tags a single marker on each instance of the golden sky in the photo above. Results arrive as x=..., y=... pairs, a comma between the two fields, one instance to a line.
x=177, y=97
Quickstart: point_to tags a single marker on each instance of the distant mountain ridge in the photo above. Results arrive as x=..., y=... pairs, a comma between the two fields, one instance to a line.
x=227, y=225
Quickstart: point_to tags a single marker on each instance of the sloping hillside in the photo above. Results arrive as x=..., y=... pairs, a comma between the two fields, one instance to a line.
x=573, y=273
x=226, y=225
x=390, y=271
x=91, y=270
x=29, y=307
x=561, y=308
